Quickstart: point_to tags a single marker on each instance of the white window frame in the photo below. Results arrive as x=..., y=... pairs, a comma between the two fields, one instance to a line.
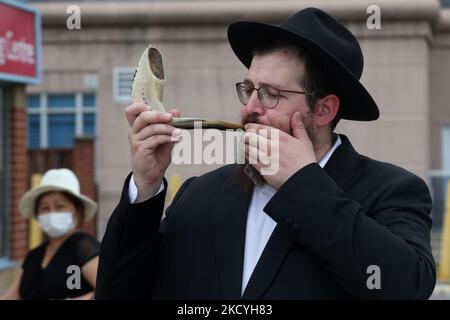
x=43, y=111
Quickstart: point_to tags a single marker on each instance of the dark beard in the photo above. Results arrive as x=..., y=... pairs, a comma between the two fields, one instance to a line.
x=240, y=176
x=251, y=118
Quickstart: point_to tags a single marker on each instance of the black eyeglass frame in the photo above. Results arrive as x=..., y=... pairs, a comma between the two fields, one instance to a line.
x=241, y=98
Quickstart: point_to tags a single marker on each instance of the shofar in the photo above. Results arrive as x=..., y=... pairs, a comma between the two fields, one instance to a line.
x=148, y=87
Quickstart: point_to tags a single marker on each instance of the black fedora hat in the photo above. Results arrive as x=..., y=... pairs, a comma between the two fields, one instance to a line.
x=328, y=41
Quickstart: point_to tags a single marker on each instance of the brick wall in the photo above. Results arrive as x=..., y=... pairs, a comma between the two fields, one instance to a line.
x=19, y=174
x=83, y=167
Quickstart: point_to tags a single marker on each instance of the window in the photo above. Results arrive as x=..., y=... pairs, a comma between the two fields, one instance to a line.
x=54, y=120
x=89, y=100
x=61, y=101
x=61, y=130
x=122, y=79
x=33, y=101
x=445, y=147
x=440, y=182
x=34, y=136
x=89, y=123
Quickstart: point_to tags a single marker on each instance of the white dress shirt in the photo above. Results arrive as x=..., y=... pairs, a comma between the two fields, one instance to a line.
x=259, y=225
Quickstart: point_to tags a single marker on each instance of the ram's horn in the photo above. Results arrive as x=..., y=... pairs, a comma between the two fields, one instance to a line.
x=148, y=81
x=192, y=123
x=148, y=87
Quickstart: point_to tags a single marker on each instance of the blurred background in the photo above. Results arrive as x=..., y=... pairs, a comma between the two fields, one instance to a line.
x=66, y=108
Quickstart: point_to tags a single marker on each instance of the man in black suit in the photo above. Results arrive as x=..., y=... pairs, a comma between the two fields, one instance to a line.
x=328, y=224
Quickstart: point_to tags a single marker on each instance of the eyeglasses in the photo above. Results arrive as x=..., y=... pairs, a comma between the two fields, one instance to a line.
x=267, y=95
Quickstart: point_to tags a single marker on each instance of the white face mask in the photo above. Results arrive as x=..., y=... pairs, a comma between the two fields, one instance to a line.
x=56, y=224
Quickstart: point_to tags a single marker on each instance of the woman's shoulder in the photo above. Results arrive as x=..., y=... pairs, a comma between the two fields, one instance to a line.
x=81, y=235
x=80, y=238
x=86, y=246
x=35, y=254
x=38, y=250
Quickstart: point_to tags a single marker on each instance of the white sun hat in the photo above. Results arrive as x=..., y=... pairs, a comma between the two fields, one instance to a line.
x=56, y=180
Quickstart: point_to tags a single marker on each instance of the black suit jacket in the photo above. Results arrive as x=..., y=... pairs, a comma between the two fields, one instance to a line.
x=332, y=224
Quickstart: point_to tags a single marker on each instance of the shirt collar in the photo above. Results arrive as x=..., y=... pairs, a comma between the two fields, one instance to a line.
x=328, y=155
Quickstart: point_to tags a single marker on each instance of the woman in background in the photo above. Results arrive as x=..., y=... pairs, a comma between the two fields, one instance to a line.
x=65, y=266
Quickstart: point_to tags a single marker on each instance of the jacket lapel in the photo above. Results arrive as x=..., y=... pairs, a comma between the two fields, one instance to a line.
x=229, y=224
x=272, y=257
x=343, y=168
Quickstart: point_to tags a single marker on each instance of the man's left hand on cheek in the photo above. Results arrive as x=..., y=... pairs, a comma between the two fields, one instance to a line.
x=277, y=155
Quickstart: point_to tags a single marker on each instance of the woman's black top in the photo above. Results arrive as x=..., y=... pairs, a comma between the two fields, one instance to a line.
x=62, y=277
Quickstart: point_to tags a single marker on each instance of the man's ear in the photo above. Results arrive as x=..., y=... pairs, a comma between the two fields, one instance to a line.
x=326, y=110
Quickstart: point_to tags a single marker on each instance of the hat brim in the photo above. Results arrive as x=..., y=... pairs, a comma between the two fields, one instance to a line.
x=356, y=102
x=28, y=201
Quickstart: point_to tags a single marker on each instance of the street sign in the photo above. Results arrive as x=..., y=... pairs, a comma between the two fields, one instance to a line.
x=20, y=42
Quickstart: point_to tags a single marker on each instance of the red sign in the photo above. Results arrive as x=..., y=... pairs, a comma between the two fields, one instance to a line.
x=19, y=51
